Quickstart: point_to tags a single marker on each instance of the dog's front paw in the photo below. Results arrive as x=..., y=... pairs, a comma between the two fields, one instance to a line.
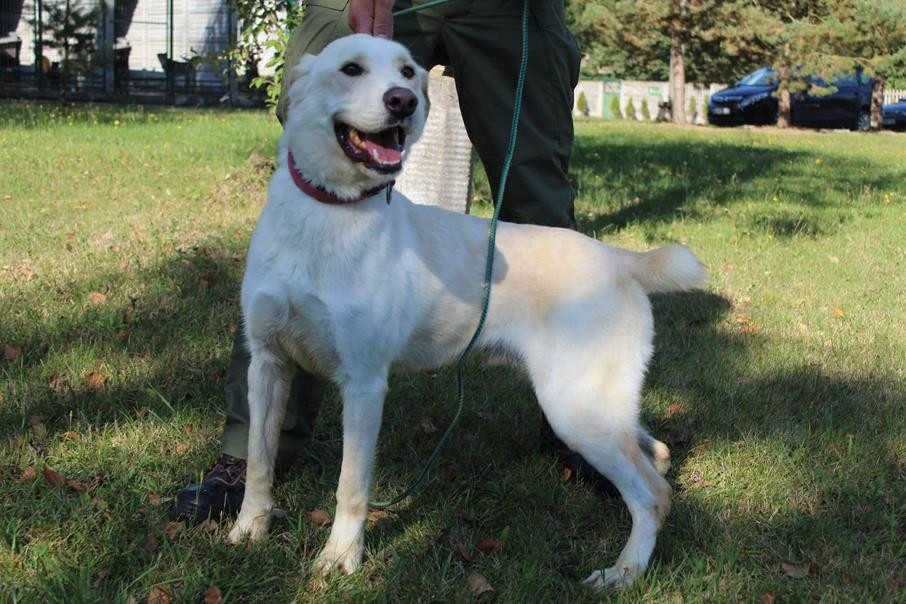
x=613, y=577
x=344, y=557
x=250, y=526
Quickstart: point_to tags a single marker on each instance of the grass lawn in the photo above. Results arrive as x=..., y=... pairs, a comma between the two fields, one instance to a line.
x=780, y=390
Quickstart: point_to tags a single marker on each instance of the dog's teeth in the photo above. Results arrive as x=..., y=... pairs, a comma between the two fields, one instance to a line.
x=354, y=137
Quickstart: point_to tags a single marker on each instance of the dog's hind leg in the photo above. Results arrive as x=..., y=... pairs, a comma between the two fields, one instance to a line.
x=268, y=380
x=589, y=387
x=363, y=402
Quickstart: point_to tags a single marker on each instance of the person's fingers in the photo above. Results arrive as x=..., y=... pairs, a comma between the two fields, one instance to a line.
x=383, y=18
x=361, y=16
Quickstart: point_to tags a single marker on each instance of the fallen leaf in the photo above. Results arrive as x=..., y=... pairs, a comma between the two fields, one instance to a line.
x=319, y=517
x=566, y=474
x=375, y=517
x=766, y=598
x=478, y=584
x=11, y=353
x=173, y=529
x=213, y=595
x=181, y=448
x=53, y=477
x=160, y=594
x=70, y=435
x=151, y=543
x=97, y=298
x=463, y=551
x=795, y=571
x=28, y=474
x=122, y=335
x=674, y=409
x=59, y=384
x=95, y=380
x=489, y=546
x=76, y=485
x=154, y=499
x=838, y=313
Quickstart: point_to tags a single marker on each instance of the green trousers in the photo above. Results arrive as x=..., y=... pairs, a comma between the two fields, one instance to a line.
x=480, y=42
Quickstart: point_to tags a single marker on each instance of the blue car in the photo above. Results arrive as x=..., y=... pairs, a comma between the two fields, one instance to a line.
x=893, y=116
x=843, y=102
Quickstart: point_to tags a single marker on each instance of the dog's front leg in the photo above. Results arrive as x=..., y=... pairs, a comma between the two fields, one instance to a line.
x=363, y=404
x=268, y=380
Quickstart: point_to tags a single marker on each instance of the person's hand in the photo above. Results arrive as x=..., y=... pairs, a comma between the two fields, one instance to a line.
x=371, y=17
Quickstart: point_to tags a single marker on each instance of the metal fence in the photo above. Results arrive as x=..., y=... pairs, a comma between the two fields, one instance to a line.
x=146, y=50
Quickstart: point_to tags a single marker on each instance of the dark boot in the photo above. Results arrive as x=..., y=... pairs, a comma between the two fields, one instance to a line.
x=218, y=495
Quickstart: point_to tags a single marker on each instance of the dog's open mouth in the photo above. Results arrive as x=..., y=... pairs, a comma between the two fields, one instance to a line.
x=380, y=151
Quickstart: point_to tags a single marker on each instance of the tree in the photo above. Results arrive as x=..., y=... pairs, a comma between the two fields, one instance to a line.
x=70, y=28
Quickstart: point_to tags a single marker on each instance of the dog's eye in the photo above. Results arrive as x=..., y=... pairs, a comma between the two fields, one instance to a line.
x=352, y=69
x=407, y=72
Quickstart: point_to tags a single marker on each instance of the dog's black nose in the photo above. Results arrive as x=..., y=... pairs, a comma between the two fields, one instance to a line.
x=400, y=102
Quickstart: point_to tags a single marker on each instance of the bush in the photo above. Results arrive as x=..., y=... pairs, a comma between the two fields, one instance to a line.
x=630, y=111
x=615, y=108
x=646, y=114
x=582, y=104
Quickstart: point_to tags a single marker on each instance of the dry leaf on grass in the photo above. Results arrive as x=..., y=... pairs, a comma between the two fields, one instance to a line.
x=319, y=517
x=96, y=380
x=181, y=448
x=796, y=571
x=153, y=499
x=97, y=298
x=838, y=313
x=160, y=594
x=53, y=477
x=766, y=598
x=675, y=409
x=489, y=546
x=213, y=595
x=11, y=353
x=173, y=529
x=28, y=474
x=375, y=517
x=566, y=474
x=478, y=584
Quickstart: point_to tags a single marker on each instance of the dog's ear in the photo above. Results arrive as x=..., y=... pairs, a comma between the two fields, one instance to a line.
x=301, y=69
x=296, y=74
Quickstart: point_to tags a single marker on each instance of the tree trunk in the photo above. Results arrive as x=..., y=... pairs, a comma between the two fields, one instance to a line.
x=677, y=64
x=877, y=101
x=784, y=104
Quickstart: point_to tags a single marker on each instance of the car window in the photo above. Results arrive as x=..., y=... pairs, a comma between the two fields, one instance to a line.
x=763, y=77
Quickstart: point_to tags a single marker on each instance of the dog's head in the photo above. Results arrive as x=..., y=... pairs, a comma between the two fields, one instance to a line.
x=354, y=112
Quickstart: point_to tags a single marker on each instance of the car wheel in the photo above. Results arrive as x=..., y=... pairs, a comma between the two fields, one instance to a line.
x=863, y=121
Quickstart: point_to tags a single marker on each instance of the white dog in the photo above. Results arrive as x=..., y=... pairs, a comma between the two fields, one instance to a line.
x=346, y=282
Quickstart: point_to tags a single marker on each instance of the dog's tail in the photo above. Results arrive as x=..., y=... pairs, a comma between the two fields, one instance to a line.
x=667, y=269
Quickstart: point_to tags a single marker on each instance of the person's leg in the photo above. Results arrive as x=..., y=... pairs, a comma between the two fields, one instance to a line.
x=484, y=47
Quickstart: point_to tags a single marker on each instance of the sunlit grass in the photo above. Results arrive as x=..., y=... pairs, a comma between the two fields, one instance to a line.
x=780, y=390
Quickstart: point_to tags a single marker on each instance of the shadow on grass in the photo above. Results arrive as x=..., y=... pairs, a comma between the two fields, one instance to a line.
x=492, y=474
x=658, y=181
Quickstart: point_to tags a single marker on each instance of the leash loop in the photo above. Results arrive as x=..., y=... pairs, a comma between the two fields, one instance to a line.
x=419, y=481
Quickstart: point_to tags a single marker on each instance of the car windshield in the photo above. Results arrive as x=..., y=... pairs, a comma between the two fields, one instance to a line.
x=762, y=77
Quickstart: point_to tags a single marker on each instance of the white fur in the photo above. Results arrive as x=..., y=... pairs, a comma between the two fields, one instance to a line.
x=347, y=291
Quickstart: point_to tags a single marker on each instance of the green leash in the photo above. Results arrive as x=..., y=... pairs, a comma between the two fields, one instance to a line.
x=416, y=484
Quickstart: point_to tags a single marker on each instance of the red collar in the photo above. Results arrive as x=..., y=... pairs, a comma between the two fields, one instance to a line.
x=323, y=196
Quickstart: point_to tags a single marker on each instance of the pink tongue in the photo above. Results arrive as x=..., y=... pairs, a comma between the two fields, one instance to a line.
x=384, y=155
